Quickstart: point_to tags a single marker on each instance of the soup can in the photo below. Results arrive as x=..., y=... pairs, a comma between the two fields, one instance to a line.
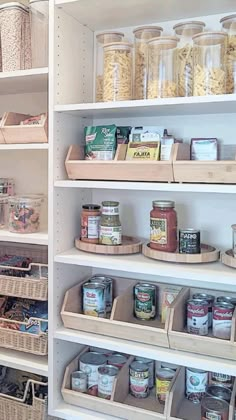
x=89, y=363
x=197, y=316
x=108, y=282
x=228, y=299
x=219, y=391
x=94, y=299
x=106, y=379
x=222, y=320
x=214, y=408
x=139, y=379
x=151, y=367
x=221, y=379
x=189, y=241
x=196, y=383
x=117, y=360
x=210, y=299
x=169, y=366
x=145, y=301
x=164, y=378
x=79, y=381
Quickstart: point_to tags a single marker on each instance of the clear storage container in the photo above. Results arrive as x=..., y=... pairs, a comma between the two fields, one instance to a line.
x=141, y=37
x=229, y=26
x=234, y=240
x=3, y=211
x=161, y=67
x=7, y=186
x=24, y=213
x=39, y=32
x=209, y=63
x=184, y=59
x=117, y=72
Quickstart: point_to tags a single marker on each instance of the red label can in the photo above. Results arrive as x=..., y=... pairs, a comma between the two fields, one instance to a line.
x=222, y=320
x=197, y=316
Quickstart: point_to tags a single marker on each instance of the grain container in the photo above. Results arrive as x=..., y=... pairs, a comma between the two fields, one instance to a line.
x=24, y=213
x=229, y=26
x=39, y=32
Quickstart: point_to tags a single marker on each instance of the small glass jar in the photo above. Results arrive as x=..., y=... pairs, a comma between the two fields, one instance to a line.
x=110, y=226
x=161, y=67
x=163, y=226
x=102, y=39
x=117, y=72
x=7, y=186
x=3, y=211
x=184, y=58
x=90, y=220
x=234, y=240
x=24, y=213
x=39, y=21
x=209, y=63
x=141, y=37
x=229, y=26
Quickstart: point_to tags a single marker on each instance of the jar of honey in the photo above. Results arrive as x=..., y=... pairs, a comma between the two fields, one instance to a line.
x=90, y=219
x=163, y=226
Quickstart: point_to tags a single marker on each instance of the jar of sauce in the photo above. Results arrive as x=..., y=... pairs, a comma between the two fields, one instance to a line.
x=90, y=219
x=163, y=224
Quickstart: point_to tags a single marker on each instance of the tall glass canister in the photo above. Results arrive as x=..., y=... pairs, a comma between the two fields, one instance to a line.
x=39, y=15
x=229, y=26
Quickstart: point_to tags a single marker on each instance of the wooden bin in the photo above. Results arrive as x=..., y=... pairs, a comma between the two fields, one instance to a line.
x=212, y=172
x=122, y=322
x=117, y=169
x=179, y=339
x=1, y=135
x=15, y=133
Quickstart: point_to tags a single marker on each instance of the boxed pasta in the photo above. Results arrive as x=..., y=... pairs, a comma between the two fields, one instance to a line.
x=204, y=149
x=123, y=134
x=143, y=151
x=146, y=133
x=100, y=142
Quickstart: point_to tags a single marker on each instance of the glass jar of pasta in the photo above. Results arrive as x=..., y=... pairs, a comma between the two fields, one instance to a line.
x=117, y=72
x=141, y=37
x=184, y=57
x=209, y=63
x=102, y=39
x=161, y=67
x=229, y=26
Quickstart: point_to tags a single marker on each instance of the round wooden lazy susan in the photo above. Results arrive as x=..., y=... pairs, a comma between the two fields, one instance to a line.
x=129, y=245
x=208, y=254
x=227, y=258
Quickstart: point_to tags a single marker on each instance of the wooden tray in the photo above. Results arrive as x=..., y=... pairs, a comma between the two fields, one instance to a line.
x=15, y=133
x=227, y=258
x=129, y=245
x=208, y=254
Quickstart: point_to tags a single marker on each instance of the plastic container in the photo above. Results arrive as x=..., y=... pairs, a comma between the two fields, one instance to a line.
x=186, y=31
x=229, y=26
x=3, y=211
x=102, y=39
x=39, y=32
x=24, y=213
x=141, y=37
x=209, y=63
x=117, y=72
x=161, y=67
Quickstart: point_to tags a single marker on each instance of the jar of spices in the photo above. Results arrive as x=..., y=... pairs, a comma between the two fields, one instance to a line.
x=90, y=219
x=3, y=211
x=110, y=226
x=163, y=224
x=229, y=26
x=234, y=240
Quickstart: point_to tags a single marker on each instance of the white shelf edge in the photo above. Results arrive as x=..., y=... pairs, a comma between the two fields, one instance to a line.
x=24, y=361
x=70, y=412
x=24, y=146
x=23, y=73
x=39, y=238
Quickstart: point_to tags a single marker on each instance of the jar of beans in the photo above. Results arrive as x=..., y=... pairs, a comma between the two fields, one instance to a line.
x=24, y=213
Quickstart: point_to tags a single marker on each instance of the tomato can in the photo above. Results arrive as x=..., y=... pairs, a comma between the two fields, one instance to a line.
x=189, y=241
x=94, y=299
x=197, y=316
x=210, y=299
x=139, y=379
x=89, y=363
x=221, y=379
x=222, y=320
x=228, y=299
x=164, y=378
x=151, y=367
x=108, y=282
x=145, y=301
x=214, y=409
x=219, y=391
x=117, y=360
x=106, y=379
x=196, y=383
x=79, y=381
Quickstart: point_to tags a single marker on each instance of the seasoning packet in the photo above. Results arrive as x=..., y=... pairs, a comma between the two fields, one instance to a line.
x=123, y=135
x=143, y=151
x=100, y=142
x=204, y=149
x=146, y=133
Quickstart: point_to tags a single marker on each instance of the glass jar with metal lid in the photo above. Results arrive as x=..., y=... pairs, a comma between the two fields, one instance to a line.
x=163, y=226
x=229, y=26
x=110, y=226
x=39, y=32
x=3, y=211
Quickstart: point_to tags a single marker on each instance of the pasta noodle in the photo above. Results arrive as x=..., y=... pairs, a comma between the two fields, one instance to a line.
x=161, y=89
x=231, y=64
x=99, y=88
x=140, y=80
x=185, y=70
x=209, y=81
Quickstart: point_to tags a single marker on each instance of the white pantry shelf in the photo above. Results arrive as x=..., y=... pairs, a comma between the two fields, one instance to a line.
x=24, y=146
x=70, y=412
x=24, y=361
x=24, y=81
x=38, y=238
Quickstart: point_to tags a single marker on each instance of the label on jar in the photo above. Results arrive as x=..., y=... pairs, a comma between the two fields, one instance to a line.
x=110, y=235
x=90, y=227
x=158, y=233
x=110, y=211
x=210, y=415
x=162, y=387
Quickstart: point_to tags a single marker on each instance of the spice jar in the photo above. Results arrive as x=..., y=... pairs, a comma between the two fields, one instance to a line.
x=24, y=213
x=117, y=72
x=229, y=26
x=161, y=67
x=209, y=63
x=102, y=39
x=110, y=226
x=90, y=219
x=234, y=240
x=3, y=211
x=184, y=57
x=163, y=224
x=141, y=37
x=39, y=32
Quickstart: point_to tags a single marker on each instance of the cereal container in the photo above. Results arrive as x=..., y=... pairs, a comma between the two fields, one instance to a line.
x=117, y=72
x=184, y=58
x=39, y=32
x=141, y=37
x=209, y=63
x=229, y=26
x=102, y=39
x=24, y=213
x=161, y=67
x=3, y=211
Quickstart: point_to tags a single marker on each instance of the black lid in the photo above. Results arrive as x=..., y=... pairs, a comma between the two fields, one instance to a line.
x=91, y=207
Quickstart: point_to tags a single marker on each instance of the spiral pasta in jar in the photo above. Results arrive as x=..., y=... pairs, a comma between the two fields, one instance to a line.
x=229, y=26
x=141, y=37
x=161, y=68
x=24, y=213
x=117, y=84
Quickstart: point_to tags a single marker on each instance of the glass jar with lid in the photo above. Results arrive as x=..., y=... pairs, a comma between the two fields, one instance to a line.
x=209, y=63
x=39, y=20
x=24, y=213
x=141, y=37
x=117, y=84
x=184, y=57
x=161, y=67
x=229, y=26
x=102, y=39
x=3, y=211
x=163, y=226
x=234, y=240
x=110, y=226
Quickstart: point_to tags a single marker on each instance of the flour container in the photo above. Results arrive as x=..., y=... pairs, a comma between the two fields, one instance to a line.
x=39, y=32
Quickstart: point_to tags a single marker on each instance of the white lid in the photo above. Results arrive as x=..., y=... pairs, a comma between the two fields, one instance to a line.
x=38, y=1
x=14, y=5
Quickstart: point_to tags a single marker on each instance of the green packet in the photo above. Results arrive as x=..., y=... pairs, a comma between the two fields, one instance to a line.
x=100, y=142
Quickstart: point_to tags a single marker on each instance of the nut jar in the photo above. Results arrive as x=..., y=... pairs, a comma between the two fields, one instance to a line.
x=184, y=56
x=209, y=63
x=141, y=37
x=24, y=213
x=102, y=39
x=161, y=67
x=117, y=72
x=229, y=26
x=39, y=32
x=3, y=211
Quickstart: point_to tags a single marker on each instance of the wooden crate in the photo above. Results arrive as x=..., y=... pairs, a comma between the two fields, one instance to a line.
x=210, y=172
x=15, y=133
x=122, y=322
x=117, y=169
x=1, y=135
x=179, y=339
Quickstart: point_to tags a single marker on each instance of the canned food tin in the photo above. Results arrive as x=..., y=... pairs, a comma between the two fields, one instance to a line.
x=117, y=360
x=94, y=299
x=145, y=301
x=106, y=379
x=106, y=352
x=222, y=320
x=210, y=299
x=89, y=363
x=139, y=379
x=214, y=409
x=79, y=381
x=197, y=316
x=196, y=383
x=151, y=367
x=169, y=366
x=189, y=241
x=219, y=391
x=164, y=378
x=228, y=299
x=221, y=378
x=108, y=282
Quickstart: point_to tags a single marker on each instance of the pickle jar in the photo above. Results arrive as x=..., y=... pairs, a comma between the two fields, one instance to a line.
x=229, y=26
x=141, y=37
x=110, y=232
x=117, y=84
x=234, y=240
x=161, y=67
x=184, y=55
x=102, y=39
x=209, y=63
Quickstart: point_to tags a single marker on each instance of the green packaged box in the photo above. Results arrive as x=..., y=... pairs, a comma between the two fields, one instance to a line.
x=100, y=142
